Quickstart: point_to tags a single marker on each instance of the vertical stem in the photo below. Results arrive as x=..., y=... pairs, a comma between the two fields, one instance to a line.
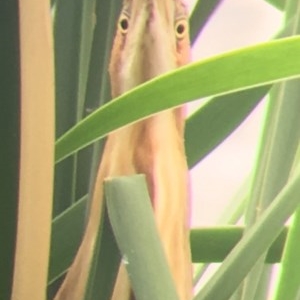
x=37, y=151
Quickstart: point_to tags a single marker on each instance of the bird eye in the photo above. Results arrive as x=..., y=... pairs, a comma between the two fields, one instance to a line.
x=124, y=24
x=181, y=28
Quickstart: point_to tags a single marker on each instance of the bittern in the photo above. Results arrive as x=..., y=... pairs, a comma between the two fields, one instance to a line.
x=152, y=38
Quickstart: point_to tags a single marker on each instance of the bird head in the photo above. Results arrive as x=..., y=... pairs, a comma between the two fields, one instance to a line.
x=152, y=38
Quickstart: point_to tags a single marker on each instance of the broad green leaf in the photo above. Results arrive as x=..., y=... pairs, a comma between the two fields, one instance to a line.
x=237, y=70
x=131, y=216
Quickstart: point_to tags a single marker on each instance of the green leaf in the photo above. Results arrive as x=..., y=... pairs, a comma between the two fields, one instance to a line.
x=67, y=38
x=200, y=15
x=10, y=140
x=289, y=279
x=210, y=125
x=245, y=68
x=273, y=154
x=207, y=244
x=131, y=216
x=213, y=244
x=69, y=224
x=254, y=243
x=280, y=4
x=98, y=87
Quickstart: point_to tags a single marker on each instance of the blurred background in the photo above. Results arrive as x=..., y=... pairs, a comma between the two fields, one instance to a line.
x=218, y=177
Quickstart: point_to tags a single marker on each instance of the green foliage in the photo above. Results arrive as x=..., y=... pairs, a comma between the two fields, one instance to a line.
x=10, y=140
x=235, y=82
x=149, y=263
x=182, y=85
x=255, y=242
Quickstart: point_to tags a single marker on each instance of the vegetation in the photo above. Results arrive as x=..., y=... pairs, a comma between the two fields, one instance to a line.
x=40, y=229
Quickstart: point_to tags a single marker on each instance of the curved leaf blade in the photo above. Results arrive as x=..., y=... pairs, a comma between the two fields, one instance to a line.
x=237, y=70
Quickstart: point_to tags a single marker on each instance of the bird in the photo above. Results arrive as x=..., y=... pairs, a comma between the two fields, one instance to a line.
x=152, y=38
